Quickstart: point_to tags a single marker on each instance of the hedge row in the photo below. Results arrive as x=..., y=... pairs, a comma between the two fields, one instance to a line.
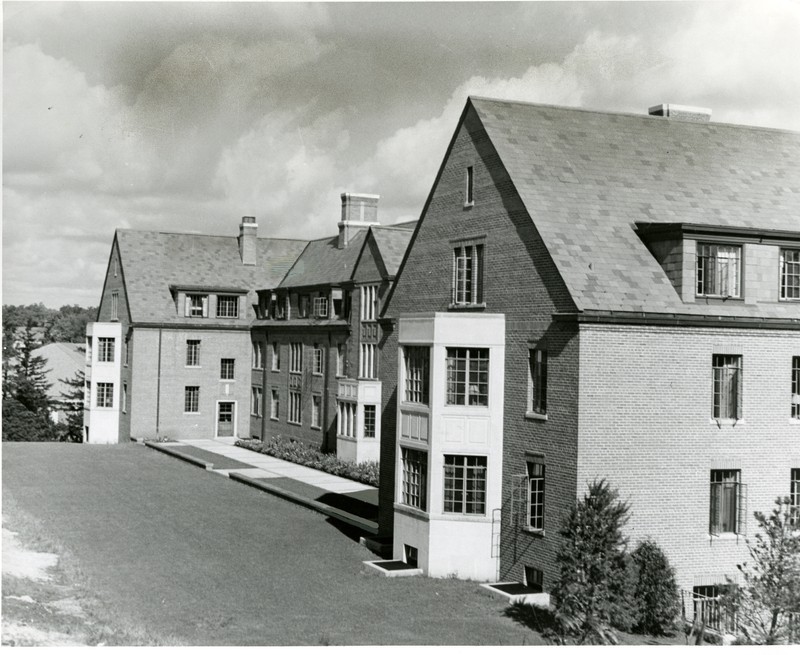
x=299, y=453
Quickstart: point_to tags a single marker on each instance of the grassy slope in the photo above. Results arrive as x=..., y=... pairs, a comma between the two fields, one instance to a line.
x=191, y=556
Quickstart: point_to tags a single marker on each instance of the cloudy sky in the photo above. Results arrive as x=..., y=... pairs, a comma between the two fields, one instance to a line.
x=187, y=116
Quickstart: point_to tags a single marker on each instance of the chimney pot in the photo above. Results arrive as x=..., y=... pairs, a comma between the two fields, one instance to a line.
x=248, y=239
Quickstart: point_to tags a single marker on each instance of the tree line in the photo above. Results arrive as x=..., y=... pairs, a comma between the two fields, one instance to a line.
x=26, y=401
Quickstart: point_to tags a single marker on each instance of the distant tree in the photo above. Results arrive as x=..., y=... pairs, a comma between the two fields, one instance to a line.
x=767, y=598
x=593, y=591
x=21, y=424
x=29, y=385
x=72, y=402
x=69, y=324
x=656, y=595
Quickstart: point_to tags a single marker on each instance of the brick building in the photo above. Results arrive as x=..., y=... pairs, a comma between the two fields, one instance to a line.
x=316, y=377
x=170, y=352
x=592, y=295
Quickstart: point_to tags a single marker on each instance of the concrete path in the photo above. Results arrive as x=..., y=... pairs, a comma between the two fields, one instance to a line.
x=345, y=500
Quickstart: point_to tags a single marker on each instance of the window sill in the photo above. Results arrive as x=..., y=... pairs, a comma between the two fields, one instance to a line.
x=789, y=300
x=469, y=205
x=467, y=307
x=316, y=427
x=718, y=300
x=275, y=370
x=317, y=375
x=536, y=416
x=533, y=531
x=295, y=423
x=191, y=413
x=226, y=381
x=192, y=366
x=794, y=421
x=415, y=512
x=726, y=536
x=345, y=437
x=274, y=418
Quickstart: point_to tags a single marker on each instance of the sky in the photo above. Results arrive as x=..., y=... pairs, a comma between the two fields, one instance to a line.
x=184, y=117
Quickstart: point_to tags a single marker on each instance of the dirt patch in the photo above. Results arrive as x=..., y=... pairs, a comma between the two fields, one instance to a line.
x=21, y=563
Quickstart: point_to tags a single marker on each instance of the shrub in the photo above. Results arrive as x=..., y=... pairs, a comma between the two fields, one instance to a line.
x=593, y=590
x=294, y=451
x=21, y=424
x=656, y=594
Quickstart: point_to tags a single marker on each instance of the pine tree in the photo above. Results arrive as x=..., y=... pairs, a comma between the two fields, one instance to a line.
x=593, y=590
x=29, y=385
x=766, y=600
x=72, y=402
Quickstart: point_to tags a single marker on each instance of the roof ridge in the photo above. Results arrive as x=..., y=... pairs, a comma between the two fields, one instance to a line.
x=631, y=115
x=201, y=234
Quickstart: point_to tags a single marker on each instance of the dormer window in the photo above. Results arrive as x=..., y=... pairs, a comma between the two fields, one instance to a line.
x=719, y=270
x=321, y=306
x=196, y=305
x=790, y=274
x=227, y=307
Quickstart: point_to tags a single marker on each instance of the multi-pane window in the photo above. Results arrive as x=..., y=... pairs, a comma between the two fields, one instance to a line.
x=368, y=362
x=295, y=407
x=537, y=367
x=316, y=411
x=340, y=360
x=417, y=380
x=274, y=404
x=719, y=270
x=191, y=400
x=795, y=387
x=468, y=376
x=415, y=477
x=794, y=495
x=369, y=302
x=468, y=275
x=114, y=305
x=321, y=306
x=226, y=369
x=790, y=274
x=727, y=387
x=258, y=354
x=227, y=306
x=727, y=502
x=105, y=394
x=276, y=356
x=536, y=493
x=709, y=611
x=469, y=186
x=196, y=305
x=369, y=421
x=317, y=360
x=296, y=358
x=464, y=484
x=347, y=419
x=256, y=401
x=105, y=349
x=193, y=352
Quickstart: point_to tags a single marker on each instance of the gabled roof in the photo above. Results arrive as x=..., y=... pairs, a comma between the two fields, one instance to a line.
x=392, y=242
x=586, y=178
x=324, y=263
x=155, y=261
x=64, y=361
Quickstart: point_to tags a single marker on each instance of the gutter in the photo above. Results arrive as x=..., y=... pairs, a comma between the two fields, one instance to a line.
x=676, y=320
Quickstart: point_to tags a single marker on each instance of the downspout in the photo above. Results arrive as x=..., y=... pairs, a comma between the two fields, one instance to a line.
x=158, y=383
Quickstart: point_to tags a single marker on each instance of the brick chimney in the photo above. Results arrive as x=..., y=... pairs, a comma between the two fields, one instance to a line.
x=248, y=233
x=359, y=210
x=681, y=113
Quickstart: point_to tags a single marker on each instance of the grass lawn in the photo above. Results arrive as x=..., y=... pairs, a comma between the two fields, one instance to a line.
x=191, y=557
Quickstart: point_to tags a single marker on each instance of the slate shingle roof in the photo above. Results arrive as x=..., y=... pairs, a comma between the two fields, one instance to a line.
x=153, y=261
x=323, y=262
x=587, y=177
x=393, y=241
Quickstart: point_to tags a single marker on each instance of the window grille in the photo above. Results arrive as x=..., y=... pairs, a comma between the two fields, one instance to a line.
x=727, y=386
x=795, y=387
x=464, y=484
x=295, y=409
x=347, y=419
x=105, y=394
x=368, y=362
x=709, y=611
x=296, y=358
x=728, y=503
x=105, y=349
x=317, y=360
x=227, y=307
x=536, y=494
x=718, y=270
x=790, y=274
x=226, y=369
x=191, y=400
x=369, y=302
x=369, y=421
x=321, y=306
x=468, y=275
x=193, y=352
x=196, y=305
x=417, y=382
x=468, y=376
x=415, y=477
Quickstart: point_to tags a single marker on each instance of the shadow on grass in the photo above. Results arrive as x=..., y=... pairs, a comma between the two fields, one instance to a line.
x=363, y=506
x=538, y=619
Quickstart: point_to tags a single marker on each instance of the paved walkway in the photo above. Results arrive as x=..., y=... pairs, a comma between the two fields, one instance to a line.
x=346, y=500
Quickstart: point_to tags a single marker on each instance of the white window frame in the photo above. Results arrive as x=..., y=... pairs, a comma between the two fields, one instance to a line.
x=464, y=484
x=790, y=274
x=191, y=399
x=193, y=353
x=115, y=305
x=417, y=362
x=718, y=270
x=295, y=407
x=104, y=396
x=470, y=388
x=316, y=410
x=105, y=349
x=258, y=355
x=196, y=305
x=728, y=499
x=467, y=282
x=368, y=362
x=318, y=363
x=369, y=302
x=726, y=389
x=227, y=306
x=296, y=357
x=370, y=421
x=321, y=306
x=414, y=478
x=347, y=412
x=536, y=493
